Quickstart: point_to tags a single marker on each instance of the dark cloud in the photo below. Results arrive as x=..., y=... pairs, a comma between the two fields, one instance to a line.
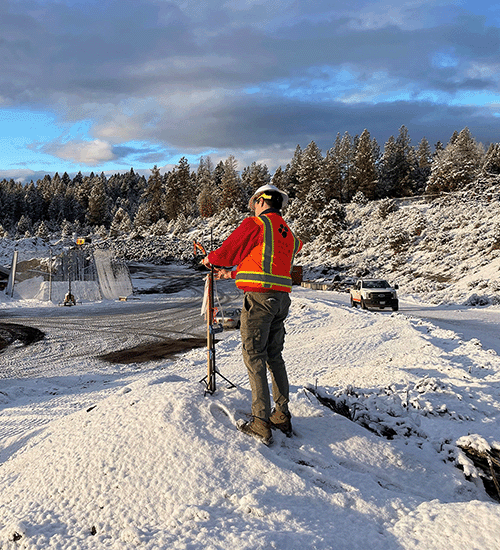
x=178, y=74
x=258, y=123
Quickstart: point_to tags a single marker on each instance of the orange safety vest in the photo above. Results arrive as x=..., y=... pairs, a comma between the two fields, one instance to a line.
x=269, y=264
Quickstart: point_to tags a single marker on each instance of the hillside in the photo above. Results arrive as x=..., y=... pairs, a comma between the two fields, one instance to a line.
x=440, y=250
x=443, y=249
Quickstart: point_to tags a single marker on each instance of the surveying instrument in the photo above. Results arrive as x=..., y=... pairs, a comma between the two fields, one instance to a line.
x=213, y=327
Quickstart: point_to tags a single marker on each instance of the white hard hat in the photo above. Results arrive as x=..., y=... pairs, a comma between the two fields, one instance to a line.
x=268, y=188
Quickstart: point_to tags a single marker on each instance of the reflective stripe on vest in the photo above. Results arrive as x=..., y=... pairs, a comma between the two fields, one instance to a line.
x=263, y=257
x=265, y=278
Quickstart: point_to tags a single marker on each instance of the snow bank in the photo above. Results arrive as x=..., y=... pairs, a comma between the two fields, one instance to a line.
x=100, y=456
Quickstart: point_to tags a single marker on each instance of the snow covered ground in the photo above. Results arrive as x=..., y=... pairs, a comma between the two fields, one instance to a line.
x=94, y=455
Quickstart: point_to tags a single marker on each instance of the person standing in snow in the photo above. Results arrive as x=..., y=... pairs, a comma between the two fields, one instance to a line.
x=263, y=248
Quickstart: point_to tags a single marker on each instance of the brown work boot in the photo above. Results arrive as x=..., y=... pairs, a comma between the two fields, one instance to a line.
x=281, y=421
x=258, y=428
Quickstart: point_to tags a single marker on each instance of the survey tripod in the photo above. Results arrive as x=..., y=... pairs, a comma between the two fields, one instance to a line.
x=213, y=328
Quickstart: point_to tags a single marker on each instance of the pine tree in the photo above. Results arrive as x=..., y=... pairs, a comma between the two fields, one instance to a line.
x=121, y=223
x=42, y=231
x=330, y=224
x=253, y=177
x=291, y=181
x=364, y=172
x=279, y=179
x=180, y=191
x=333, y=169
x=208, y=196
x=311, y=172
x=57, y=211
x=424, y=163
x=491, y=164
x=398, y=167
x=66, y=228
x=457, y=165
x=345, y=158
x=160, y=228
x=153, y=195
x=231, y=190
x=98, y=211
x=24, y=227
x=83, y=191
x=142, y=220
x=34, y=203
x=305, y=224
x=207, y=205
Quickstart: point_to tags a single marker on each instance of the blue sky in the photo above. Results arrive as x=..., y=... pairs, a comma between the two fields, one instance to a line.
x=106, y=85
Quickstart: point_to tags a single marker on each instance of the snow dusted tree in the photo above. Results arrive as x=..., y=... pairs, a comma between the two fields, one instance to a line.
x=311, y=172
x=491, y=164
x=57, y=209
x=231, y=190
x=339, y=166
x=364, y=172
x=45, y=187
x=385, y=207
x=218, y=174
x=181, y=225
x=66, y=228
x=160, y=228
x=73, y=209
x=330, y=223
x=398, y=166
x=24, y=227
x=254, y=176
x=316, y=197
x=142, y=220
x=333, y=169
x=101, y=231
x=180, y=195
x=131, y=189
x=83, y=191
x=208, y=196
x=303, y=220
x=291, y=180
x=424, y=162
x=98, y=211
x=207, y=205
x=457, y=165
x=34, y=203
x=360, y=198
x=42, y=231
x=121, y=223
x=279, y=179
x=153, y=195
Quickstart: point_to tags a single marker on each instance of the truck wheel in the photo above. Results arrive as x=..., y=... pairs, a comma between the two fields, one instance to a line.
x=395, y=308
x=363, y=305
x=353, y=303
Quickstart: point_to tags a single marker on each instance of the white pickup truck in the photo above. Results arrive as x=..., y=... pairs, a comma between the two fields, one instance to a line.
x=377, y=293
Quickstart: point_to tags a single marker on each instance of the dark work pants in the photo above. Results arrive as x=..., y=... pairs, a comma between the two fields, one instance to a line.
x=263, y=336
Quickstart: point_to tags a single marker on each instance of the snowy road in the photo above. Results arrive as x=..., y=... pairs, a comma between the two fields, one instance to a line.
x=144, y=318
x=467, y=322
x=101, y=455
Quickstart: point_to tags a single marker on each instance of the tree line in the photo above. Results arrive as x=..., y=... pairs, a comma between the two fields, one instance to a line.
x=354, y=168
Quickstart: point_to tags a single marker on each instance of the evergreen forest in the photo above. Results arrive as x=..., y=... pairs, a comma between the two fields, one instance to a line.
x=354, y=169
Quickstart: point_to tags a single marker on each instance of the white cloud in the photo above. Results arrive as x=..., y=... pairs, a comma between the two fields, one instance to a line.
x=91, y=153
